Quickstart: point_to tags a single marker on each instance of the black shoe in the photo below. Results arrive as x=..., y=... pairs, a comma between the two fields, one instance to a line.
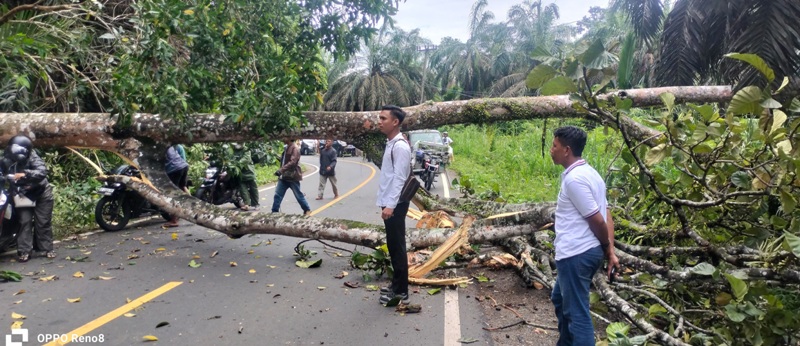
x=386, y=290
x=393, y=299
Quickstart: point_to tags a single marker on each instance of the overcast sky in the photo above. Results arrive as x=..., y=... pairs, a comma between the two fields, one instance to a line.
x=441, y=18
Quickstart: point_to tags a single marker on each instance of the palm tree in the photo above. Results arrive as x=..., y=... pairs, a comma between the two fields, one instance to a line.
x=467, y=65
x=532, y=27
x=389, y=70
x=697, y=33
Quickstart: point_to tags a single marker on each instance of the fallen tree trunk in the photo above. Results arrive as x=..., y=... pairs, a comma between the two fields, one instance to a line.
x=99, y=130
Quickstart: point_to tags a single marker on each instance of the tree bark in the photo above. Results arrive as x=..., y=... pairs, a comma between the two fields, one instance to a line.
x=99, y=130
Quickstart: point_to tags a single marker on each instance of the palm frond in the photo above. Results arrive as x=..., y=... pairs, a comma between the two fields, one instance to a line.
x=646, y=16
x=682, y=50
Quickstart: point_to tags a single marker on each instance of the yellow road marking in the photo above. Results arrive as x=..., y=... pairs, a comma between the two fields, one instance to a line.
x=80, y=331
x=372, y=174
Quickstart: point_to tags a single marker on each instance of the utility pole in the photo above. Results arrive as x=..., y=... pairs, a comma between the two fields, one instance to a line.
x=424, y=49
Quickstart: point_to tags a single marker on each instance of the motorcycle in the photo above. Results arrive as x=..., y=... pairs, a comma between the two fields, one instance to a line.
x=120, y=204
x=429, y=163
x=219, y=188
x=7, y=235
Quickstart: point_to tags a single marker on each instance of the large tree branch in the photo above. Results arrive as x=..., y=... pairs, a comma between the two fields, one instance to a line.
x=99, y=130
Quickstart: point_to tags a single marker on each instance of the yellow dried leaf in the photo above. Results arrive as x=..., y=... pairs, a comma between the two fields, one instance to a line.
x=150, y=338
x=161, y=249
x=233, y=264
x=127, y=300
x=78, y=274
x=270, y=285
x=272, y=267
x=129, y=314
x=74, y=300
x=320, y=288
x=252, y=271
x=17, y=316
x=226, y=275
x=195, y=257
x=16, y=325
x=86, y=252
x=19, y=292
x=105, y=277
x=174, y=236
x=48, y=278
x=250, y=252
x=226, y=32
x=17, y=302
x=188, y=12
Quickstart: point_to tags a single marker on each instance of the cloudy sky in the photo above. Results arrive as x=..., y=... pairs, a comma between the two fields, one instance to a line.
x=440, y=18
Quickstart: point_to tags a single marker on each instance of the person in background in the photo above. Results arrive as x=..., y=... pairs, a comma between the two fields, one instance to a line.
x=29, y=183
x=289, y=177
x=248, y=188
x=395, y=169
x=327, y=169
x=178, y=171
x=584, y=236
x=446, y=139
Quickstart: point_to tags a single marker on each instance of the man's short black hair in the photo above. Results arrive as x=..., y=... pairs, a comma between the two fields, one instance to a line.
x=396, y=112
x=572, y=137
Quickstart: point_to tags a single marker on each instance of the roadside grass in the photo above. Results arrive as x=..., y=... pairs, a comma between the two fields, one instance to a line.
x=509, y=163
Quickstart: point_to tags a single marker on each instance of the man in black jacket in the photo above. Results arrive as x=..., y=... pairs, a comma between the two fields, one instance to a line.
x=327, y=169
x=29, y=183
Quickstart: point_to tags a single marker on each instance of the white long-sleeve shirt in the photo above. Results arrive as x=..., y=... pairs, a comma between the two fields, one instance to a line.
x=394, y=174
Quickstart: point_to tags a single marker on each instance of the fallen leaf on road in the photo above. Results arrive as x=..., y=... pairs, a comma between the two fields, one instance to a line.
x=351, y=284
x=270, y=285
x=341, y=275
x=372, y=287
x=214, y=254
x=49, y=278
x=16, y=325
x=433, y=291
x=161, y=324
x=161, y=249
x=538, y=285
x=256, y=244
x=133, y=256
x=174, y=237
x=308, y=264
x=252, y=271
x=250, y=252
x=271, y=267
x=466, y=340
x=321, y=288
x=17, y=316
x=226, y=275
x=233, y=264
x=196, y=257
x=150, y=337
x=74, y=300
x=17, y=302
x=129, y=315
x=105, y=277
x=194, y=264
x=19, y=292
x=78, y=274
x=409, y=309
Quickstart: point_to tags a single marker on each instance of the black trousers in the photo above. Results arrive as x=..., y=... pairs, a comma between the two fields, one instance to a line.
x=36, y=220
x=396, y=242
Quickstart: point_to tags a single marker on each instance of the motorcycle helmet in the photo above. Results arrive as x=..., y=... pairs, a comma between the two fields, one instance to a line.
x=19, y=148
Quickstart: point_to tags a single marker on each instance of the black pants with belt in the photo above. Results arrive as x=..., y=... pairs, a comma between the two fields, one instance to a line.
x=396, y=242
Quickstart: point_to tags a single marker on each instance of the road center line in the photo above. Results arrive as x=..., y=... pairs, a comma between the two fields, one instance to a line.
x=371, y=175
x=452, y=318
x=80, y=331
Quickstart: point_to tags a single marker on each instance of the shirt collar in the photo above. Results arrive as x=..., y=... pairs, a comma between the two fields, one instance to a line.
x=580, y=162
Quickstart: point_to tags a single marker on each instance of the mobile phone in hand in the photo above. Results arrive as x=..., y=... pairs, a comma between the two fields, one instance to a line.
x=612, y=275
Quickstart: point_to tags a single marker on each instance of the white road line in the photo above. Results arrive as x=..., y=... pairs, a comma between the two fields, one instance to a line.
x=452, y=318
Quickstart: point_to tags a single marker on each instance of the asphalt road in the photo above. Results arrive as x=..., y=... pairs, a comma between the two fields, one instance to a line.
x=246, y=291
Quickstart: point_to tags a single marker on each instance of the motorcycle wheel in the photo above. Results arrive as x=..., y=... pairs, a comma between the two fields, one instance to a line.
x=237, y=200
x=428, y=180
x=110, y=215
x=203, y=194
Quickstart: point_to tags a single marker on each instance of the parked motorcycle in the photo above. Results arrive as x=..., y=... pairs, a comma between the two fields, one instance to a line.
x=429, y=166
x=120, y=204
x=219, y=188
x=7, y=235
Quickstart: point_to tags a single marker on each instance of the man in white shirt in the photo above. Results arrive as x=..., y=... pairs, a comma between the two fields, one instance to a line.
x=395, y=169
x=584, y=236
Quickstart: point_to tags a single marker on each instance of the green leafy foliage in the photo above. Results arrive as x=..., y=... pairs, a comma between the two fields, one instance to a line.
x=377, y=263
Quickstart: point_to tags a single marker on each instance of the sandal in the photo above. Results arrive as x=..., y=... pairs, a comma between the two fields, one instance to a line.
x=51, y=254
x=23, y=257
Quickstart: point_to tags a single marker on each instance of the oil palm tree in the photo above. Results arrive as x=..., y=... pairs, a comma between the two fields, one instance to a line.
x=388, y=70
x=697, y=33
x=467, y=65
